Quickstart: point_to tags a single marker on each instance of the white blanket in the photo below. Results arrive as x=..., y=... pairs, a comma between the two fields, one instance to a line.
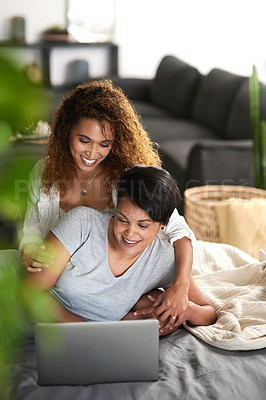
x=235, y=284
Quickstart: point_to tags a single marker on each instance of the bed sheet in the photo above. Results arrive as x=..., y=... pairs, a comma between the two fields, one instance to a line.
x=189, y=369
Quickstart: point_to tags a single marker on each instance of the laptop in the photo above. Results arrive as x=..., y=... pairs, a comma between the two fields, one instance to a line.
x=82, y=353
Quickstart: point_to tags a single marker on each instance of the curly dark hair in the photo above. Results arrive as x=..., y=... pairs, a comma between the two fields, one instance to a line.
x=102, y=101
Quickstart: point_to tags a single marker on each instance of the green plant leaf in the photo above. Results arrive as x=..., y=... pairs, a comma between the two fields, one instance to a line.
x=20, y=101
x=14, y=186
x=5, y=134
x=257, y=127
x=20, y=105
x=263, y=154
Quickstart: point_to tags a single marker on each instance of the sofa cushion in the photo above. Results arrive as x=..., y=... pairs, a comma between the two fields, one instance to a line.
x=214, y=99
x=164, y=129
x=174, y=86
x=174, y=155
x=134, y=88
x=197, y=162
x=221, y=162
x=148, y=110
x=238, y=125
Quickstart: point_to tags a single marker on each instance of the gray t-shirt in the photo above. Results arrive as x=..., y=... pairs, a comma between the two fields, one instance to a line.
x=88, y=288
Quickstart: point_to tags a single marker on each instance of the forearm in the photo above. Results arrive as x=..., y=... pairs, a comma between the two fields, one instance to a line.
x=184, y=259
x=130, y=315
x=143, y=303
x=61, y=313
x=42, y=282
x=51, y=310
x=200, y=314
x=174, y=301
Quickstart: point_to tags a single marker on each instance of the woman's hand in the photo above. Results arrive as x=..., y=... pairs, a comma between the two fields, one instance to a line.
x=34, y=257
x=171, y=303
x=146, y=308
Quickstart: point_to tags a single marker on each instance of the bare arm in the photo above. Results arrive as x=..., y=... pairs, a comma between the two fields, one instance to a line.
x=34, y=257
x=146, y=302
x=198, y=312
x=174, y=301
x=54, y=250
x=57, y=312
x=47, y=277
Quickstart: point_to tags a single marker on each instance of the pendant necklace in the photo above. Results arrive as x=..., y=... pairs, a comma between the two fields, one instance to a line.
x=84, y=191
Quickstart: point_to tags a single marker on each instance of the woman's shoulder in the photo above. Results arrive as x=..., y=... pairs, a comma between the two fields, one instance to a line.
x=37, y=169
x=160, y=253
x=36, y=182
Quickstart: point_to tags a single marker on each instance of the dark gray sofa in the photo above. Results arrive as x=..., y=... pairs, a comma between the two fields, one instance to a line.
x=201, y=122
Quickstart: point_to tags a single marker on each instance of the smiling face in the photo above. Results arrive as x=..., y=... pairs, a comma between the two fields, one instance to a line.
x=133, y=229
x=88, y=146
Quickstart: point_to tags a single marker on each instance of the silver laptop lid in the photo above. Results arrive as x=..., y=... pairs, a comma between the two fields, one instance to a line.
x=96, y=352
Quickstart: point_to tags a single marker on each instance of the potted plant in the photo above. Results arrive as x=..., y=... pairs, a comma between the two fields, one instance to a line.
x=258, y=127
x=18, y=102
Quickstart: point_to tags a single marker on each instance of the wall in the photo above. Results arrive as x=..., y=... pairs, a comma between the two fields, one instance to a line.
x=229, y=34
x=39, y=15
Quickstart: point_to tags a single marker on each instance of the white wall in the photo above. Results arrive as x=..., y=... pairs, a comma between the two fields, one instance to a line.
x=229, y=34
x=39, y=15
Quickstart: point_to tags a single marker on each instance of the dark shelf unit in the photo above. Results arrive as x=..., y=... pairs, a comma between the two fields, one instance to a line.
x=45, y=49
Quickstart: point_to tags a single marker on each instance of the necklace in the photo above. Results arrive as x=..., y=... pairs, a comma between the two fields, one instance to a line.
x=84, y=191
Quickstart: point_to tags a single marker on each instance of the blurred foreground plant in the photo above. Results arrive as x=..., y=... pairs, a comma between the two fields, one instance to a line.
x=20, y=104
x=258, y=127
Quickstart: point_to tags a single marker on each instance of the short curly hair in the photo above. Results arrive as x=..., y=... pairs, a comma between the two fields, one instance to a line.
x=102, y=101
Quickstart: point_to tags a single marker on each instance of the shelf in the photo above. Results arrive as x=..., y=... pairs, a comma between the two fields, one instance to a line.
x=57, y=58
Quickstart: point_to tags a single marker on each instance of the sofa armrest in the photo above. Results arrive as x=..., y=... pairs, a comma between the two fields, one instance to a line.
x=135, y=88
x=221, y=162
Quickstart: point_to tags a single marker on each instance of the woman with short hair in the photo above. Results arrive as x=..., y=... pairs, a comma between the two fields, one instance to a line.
x=117, y=259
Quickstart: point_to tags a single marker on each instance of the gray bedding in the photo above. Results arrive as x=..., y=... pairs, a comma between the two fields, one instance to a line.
x=189, y=369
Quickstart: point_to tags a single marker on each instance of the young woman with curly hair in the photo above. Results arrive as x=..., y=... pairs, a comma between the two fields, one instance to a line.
x=102, y=102
x=96, y=135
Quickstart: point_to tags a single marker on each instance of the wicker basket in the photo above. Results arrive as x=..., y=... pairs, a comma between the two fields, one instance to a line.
x=200, y=211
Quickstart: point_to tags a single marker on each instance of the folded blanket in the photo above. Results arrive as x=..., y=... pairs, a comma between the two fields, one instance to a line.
x=238, y=294
x=242, y=223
